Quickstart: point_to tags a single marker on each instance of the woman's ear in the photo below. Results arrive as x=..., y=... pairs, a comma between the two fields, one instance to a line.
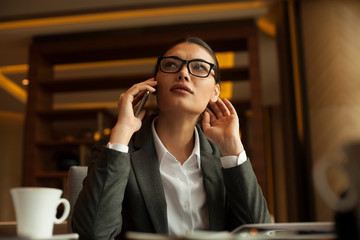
x=216, y=93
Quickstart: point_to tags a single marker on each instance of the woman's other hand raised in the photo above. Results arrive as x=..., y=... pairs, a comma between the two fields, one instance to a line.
x=221, y=125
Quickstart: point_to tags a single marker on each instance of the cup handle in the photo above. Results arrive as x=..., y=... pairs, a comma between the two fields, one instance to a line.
x=66, y=211
x=323, y=187
x=322, y=184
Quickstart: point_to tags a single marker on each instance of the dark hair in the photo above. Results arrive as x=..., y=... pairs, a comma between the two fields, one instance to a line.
x=201, y=43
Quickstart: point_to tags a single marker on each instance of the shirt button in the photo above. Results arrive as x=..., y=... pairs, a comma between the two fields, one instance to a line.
x=182, y=178
x=186, y=205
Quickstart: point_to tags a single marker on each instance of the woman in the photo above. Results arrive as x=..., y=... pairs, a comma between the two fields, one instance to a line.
x=168, y=174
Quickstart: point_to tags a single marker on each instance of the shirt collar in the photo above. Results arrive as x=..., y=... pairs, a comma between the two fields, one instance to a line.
x=161, y=150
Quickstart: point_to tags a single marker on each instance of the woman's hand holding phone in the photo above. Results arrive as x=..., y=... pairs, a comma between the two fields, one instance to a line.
x=127, y=123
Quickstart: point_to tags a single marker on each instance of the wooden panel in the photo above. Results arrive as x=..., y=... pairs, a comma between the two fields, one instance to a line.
x=130, y=43
x=38, y=99
x=67, y=114
x=332, y=66
x=258, y=136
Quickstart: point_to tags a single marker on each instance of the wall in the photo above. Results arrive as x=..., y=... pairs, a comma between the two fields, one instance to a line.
x=331, y=35
x=269, y=70
x=11, y=140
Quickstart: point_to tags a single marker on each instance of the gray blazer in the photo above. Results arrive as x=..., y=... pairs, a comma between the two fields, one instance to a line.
x=123, y=191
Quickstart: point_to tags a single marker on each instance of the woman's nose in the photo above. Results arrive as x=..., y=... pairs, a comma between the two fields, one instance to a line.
x=184, y=73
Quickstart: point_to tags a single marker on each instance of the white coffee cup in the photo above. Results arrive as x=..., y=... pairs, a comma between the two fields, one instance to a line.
x=35, y=210
x=348, y=167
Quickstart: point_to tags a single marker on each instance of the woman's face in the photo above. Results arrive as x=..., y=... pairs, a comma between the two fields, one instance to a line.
x=182, y=92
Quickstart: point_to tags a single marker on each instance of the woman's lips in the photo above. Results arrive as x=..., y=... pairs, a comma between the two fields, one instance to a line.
x=181, y=88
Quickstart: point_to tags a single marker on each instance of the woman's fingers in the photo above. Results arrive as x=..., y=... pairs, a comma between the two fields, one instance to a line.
x=225, y=111
x=206, y=120
x=215, y=109
x=143, y=86
x=220, y=108
x=137, y=91
x=229, y=106
x=212, y=116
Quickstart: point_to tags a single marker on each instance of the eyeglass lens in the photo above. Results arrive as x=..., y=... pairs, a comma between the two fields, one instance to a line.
x=196, y=67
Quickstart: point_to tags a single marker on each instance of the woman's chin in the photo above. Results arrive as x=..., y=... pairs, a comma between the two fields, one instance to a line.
x=180, y=110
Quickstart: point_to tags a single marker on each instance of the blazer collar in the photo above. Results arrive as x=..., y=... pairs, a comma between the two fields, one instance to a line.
x=213, y=182
x=146, y=168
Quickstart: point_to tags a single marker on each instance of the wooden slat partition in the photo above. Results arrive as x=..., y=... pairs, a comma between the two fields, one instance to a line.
x=48, y=51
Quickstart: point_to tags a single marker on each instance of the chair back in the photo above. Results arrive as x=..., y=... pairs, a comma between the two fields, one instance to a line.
x=75, y=179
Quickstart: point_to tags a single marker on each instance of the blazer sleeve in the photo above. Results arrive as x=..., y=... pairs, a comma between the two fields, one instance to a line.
x=246, y=201
x=97, y=212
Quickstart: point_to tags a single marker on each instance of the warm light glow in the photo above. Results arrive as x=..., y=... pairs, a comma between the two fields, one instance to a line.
x=85, y=105
x=96, y=136
x=130, y=14
x=107, y=131
x=12, y=115
x=254, y=231
x=296, y=71
x=226, y=59
x=13, y=69
x=226, y=89
x=25, y=82
x=101, y=64
x=12, y=88
x=266, y=26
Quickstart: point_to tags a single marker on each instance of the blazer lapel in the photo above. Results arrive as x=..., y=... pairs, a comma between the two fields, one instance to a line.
x=146, y=168
x=213, y=183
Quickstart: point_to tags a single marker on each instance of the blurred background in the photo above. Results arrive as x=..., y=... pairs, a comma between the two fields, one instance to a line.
x=291, y=68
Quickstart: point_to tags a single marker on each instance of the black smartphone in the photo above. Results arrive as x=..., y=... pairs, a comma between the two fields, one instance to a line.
x=142, y=103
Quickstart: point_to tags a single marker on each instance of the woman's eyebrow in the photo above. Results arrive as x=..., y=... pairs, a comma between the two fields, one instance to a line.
x=200, y=59
x=173, y=57
x=194, y=59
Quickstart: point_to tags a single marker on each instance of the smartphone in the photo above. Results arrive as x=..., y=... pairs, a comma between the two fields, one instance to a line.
x=142, y=103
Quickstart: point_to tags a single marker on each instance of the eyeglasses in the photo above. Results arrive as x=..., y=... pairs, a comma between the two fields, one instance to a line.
x=196, y=67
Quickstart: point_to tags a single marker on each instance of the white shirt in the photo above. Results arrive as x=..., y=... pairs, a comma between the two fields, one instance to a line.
x=183, y=186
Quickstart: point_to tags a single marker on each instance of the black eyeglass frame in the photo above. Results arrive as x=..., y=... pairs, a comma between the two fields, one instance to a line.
x=212, y=66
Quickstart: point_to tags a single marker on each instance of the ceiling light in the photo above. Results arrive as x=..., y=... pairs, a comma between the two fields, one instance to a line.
x=25, y=82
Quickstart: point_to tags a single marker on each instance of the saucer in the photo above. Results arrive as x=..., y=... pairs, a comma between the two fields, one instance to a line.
x=69, y=236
